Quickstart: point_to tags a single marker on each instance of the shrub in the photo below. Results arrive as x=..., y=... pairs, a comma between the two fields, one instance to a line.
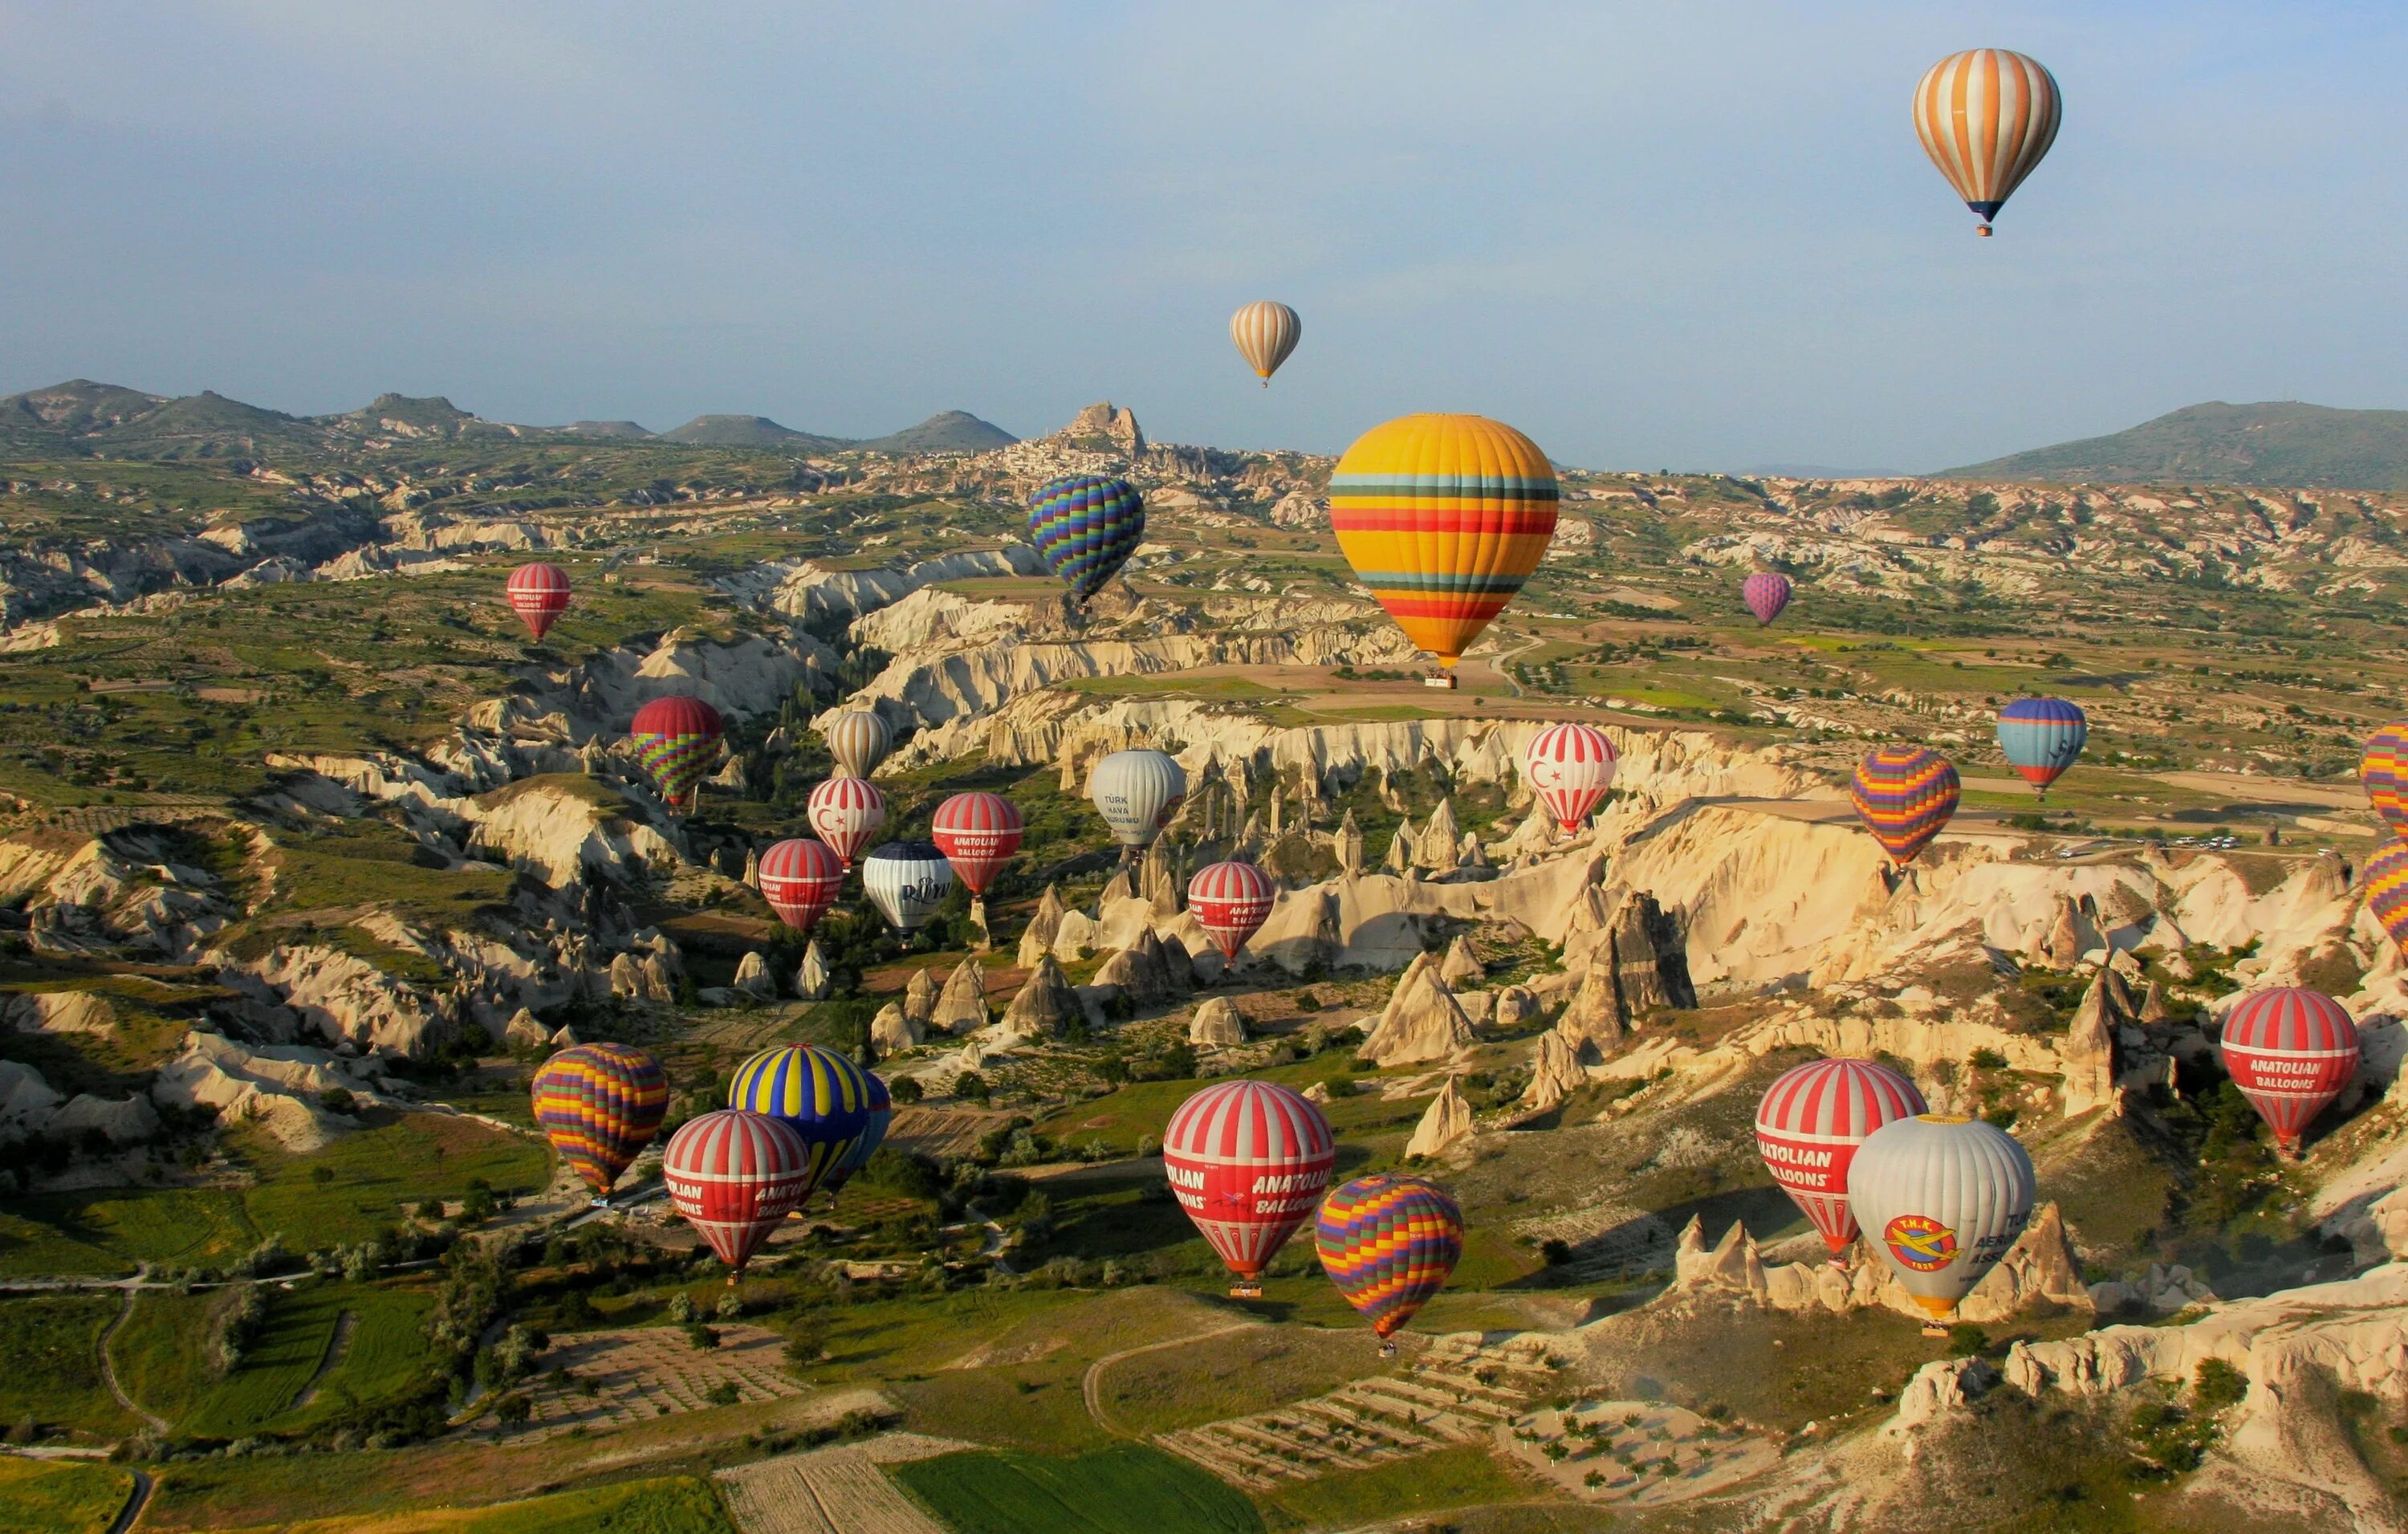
x=703, y=1337
x=2217, y=1384
x=723, y=1394
x=1967, y=1341
x=906, y=1089
x=681, y=1308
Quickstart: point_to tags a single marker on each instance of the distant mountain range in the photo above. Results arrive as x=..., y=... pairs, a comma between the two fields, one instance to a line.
x=80, y=417
x=2306, y=447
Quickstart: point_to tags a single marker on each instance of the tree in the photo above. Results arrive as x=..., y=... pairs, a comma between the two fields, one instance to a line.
x=907, y=1090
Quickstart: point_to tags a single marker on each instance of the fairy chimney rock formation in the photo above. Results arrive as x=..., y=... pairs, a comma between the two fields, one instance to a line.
x=1447, y=1124
x=890, y=1032
x=524, y=1032
x=1554, y=1072
x=1401, y=849
x=753, y=978
x=1045, y=1006
x=1422, y=1022
x=1217, y=1025
x=1593, y=1021
x=920, y=998
x=1461, y=966
x=812, y=980
x=1515, y=1005
x=1347, y=844
x=2088, y=1053
x=961, y=1007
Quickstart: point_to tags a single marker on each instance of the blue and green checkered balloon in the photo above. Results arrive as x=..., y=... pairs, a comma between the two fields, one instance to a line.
x=1085, y=526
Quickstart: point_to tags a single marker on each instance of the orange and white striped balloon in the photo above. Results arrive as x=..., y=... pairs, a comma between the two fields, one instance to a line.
x=1266, y=333
x=1986, y=116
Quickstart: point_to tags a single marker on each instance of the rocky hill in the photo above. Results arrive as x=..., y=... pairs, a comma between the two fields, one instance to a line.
x=2307, y=447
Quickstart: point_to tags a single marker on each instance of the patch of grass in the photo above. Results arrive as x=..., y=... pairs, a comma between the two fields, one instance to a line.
x=678, y=1504
x=1231, y=1376
x=50, y=1363
x=161, y=1352
x=52, y=1497
x=1464, y=1476
x=1127, y=1489
x=290, y=1346
x=397, y=1159
x=108, y=1230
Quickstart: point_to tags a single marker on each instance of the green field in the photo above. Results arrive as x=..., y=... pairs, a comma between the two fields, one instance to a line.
x=55, y=1497
x=679, y=1504
x=162, y=1355
x=1127, y=1489
x=50, y=1363
x=1467, y=1475
x=110, y=1231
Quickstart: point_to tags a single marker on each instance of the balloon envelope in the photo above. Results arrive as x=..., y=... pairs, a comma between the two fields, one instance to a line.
x=2290, y=1050
x=1248, y=1162
x=800, y=879
x=1137, y=792
x=907, y=881
x=873, y=1135
x=1084, y=527
x=1388, y=1243
x=676, y=738
x=1230, y=901
x=1808, y=1125
x=1570, y=768
x=2384, y=771
x=1986, y=116
x=1904, y=794
x=859, y=740
x=1766, y=594
x=1266, y=333
x=978, y=833
x=600, y=1105
x=1442, y=518
x=733, y=1175
x=819, y=1094
x=2386, y=891
x=538, y=593
x=848, y=813
x=2042, y=737
x=1940, y=1198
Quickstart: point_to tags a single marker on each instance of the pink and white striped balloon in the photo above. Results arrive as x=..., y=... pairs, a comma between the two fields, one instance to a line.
x=978, y=833
x=800, y=878
x=1570, y=768
x=733, y=1175
x=848, y=813
x=1808, y=1128
x=1248, y=1161
x=1230, y=902
x=2290, y=1050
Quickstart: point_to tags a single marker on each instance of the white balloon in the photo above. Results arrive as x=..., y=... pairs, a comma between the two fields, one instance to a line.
x=1940, y=1198
x=859, y=740
x=1137, y=792
x=907, y=881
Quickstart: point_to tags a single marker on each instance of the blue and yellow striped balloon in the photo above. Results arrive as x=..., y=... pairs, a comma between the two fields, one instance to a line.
x=873, y=1135
x=600, y=1105
x=2042, y=737
x=1085, y=526
x=1904, y=794
x=821, y=1094
x=1388, y=1243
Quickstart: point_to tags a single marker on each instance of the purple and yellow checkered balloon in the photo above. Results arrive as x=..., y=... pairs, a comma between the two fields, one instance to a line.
x=1388, y=1243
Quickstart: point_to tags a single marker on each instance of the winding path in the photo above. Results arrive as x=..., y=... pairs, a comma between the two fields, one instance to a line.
x=1092, y=1386
x=136, y=1500
x=109, y=1374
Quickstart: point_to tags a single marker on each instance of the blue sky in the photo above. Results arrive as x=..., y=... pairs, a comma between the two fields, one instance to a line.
x=1652, y=235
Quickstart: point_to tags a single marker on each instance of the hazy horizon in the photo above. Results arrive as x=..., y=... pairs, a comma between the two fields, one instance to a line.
x=1707, y=240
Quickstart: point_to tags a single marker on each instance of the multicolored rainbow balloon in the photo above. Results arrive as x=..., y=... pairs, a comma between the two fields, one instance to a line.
x=1904, y=794
x=675, y=739
x=1389, y=1243
x=600, y=1105
x=1084, y=527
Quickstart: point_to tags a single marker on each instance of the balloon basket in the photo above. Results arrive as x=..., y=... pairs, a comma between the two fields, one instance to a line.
x=1931, y=1328
x=1387, y=1349
x=1246, y=1289
x=1984, y=231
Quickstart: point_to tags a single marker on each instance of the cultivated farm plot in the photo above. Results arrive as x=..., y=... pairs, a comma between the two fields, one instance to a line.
x=939, y=1131
x=639, y=1373
x=837, y=1490
x=1639, y=1453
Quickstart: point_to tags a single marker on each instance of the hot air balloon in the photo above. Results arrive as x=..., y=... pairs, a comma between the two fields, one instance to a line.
x=2383, y=770
x=1987, y=118
x=800, y=878
x=675, y=739
x=1266, y=333
x=1137, y=792
x=1230, y=901
x=1443, y=517
x=907, y=881
x=1904, y=794
x=2290, y=1050
x=1084, y=527
x=978, y=833
x=1809, y=1126
x=1570, y=768
x=819, y=1094
x=1248, y=1162
x=2042, y=737
x=1388, y=1243
x=1941, y=1198
x=864, y=1145
x=733, y=1175
x=848, y=813
x=599, y=1105
x=1766, y=593
x=859, y=740
x=2387, y=890
x=538, y=593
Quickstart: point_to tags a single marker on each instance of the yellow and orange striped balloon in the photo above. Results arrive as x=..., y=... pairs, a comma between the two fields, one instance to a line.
x=1986, y=116
x=1443, y=517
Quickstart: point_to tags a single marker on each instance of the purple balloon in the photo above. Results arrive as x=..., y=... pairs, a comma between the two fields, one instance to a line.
x=1766, y=594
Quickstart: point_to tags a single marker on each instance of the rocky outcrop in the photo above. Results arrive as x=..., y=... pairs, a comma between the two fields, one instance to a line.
x=1592, y=1021
x=1446, y=1123
x=346, y=999
x=893, y=1031
x=278, y=1087
x=2040, y=1267
x=920, y=998
x=1043, y=927
x=1045, y=1006
x=523, y=1032
x=642, y=977
x=1217, y=1025
x=2088, y=1051
x=961, y=1007
x=61, y=1011
x=1461, y=966
x=812, y=980
x=1422, y=1022
x=1514, y=1005
x=753, y=978
x=1554, y=1072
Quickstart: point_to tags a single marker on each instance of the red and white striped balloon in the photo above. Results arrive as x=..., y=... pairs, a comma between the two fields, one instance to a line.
x=1569, y=766
x=848, y=813
x=538, y=593
x=800, y=879
x=1248, y=1162
x=2290, y=1050
x=978, y=833
x=1230, y=902
x=1808, y=1128
x=733, y=1175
